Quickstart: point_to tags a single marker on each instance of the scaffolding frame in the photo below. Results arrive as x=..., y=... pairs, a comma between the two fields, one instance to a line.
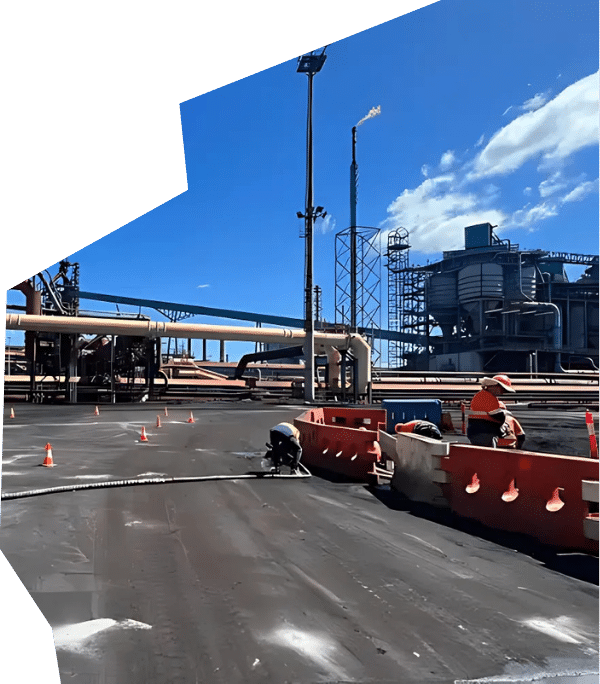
x=407, y=309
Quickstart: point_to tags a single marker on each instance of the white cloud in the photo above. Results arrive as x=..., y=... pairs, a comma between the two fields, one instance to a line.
x=527, y=216
x=479, y=143
x=447, y=160
x=436, y=212
x=535, y=102
x=325, y=225
x=562, y=126
x=505, y=112
x=203, y=285
x=553, y=184
x=581, y=191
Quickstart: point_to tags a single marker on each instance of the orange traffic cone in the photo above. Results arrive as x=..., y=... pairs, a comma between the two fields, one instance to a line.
x=48, y=461
x=12, y=413
x=191, y=418
x=166, y=412
x=555, y=503
x=143, y=437
x=97, y=412
x=158, y=421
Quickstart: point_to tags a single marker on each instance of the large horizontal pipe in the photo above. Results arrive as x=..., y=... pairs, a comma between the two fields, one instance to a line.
x=103, y=326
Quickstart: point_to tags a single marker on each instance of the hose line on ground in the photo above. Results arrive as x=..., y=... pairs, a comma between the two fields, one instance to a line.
x=154, y=480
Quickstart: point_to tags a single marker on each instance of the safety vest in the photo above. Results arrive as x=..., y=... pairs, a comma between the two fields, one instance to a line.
x=287, y=429
x=486, y=406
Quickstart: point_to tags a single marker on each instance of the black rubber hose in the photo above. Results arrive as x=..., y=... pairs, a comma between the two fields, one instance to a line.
x=151, y=481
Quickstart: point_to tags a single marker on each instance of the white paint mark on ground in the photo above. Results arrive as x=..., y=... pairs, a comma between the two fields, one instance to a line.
x=316, y=647
x=427, y=544
x=150, y=474
x=89, y=477
x=317, y=585
x=329, y=501
x=78, y=637
x=133, y=522
x=561, y=628
x=16, y=457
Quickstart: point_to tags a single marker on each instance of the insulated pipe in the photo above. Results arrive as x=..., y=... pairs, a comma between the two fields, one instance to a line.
x=334, y=359
x=74, y=324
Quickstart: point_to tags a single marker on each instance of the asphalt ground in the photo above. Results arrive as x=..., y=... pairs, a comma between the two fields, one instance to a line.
x=271, y=581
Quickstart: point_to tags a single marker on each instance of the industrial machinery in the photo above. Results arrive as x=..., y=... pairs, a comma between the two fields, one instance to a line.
x=493, y=307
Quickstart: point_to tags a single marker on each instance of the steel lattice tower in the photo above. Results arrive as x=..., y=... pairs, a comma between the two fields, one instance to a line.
x=368, y=280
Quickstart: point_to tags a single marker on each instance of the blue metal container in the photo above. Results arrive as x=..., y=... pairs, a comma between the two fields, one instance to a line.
x=405, y=410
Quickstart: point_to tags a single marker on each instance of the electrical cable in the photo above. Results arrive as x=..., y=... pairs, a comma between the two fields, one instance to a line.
x=154, y=480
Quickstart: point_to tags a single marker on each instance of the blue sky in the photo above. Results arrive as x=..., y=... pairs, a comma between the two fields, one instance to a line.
x=489, y=112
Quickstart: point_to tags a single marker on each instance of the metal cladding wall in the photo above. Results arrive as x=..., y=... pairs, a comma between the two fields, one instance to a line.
x=403, y=411
x=536, y=494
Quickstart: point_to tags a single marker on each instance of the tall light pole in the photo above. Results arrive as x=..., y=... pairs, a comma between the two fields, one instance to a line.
x=310, y=65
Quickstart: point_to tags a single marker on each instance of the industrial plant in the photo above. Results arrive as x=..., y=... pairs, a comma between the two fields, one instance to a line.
x=491, y=307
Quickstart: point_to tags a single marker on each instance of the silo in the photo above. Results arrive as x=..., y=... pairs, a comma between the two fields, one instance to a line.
x=520, y=283
x=480, y=287
x=440, y=291
x=577, y=326
x=592, y=325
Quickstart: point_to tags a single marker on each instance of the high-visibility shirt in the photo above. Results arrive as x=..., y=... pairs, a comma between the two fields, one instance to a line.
x=486, y=406
x=411, y=425
x=513, y=430
x=287, y=429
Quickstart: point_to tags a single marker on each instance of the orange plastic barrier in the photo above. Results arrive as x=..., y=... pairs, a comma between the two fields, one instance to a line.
x=520, y=491
x=341, y=440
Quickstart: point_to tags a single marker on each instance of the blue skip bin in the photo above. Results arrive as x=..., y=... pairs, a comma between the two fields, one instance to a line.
x=403, y=411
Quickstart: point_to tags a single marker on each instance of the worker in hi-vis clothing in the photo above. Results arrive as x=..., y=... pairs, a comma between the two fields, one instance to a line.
x=284, y=446
x=419, y=427
x=488, y=414
x=513, y=435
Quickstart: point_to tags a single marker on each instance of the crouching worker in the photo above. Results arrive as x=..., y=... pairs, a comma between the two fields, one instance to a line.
x=284, y=447
x=512, y=435
x=420, y=427
x=488, y=413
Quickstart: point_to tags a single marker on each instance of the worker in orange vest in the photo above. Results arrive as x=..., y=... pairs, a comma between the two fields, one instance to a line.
x=513, y=435
x=488, y=414
x=420, y=427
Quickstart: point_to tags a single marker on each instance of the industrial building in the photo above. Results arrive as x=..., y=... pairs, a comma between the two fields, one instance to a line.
x=492, y=307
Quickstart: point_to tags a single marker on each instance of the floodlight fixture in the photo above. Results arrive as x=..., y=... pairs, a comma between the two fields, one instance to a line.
x=311, y=63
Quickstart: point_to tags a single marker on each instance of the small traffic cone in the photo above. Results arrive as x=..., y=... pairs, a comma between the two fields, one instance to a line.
x=97, y=412
x=48, y=461
x=12, y=413
x=166, y=412
x=191, y=418
x=158, y=422
x=143, y=437
x=555, y=503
